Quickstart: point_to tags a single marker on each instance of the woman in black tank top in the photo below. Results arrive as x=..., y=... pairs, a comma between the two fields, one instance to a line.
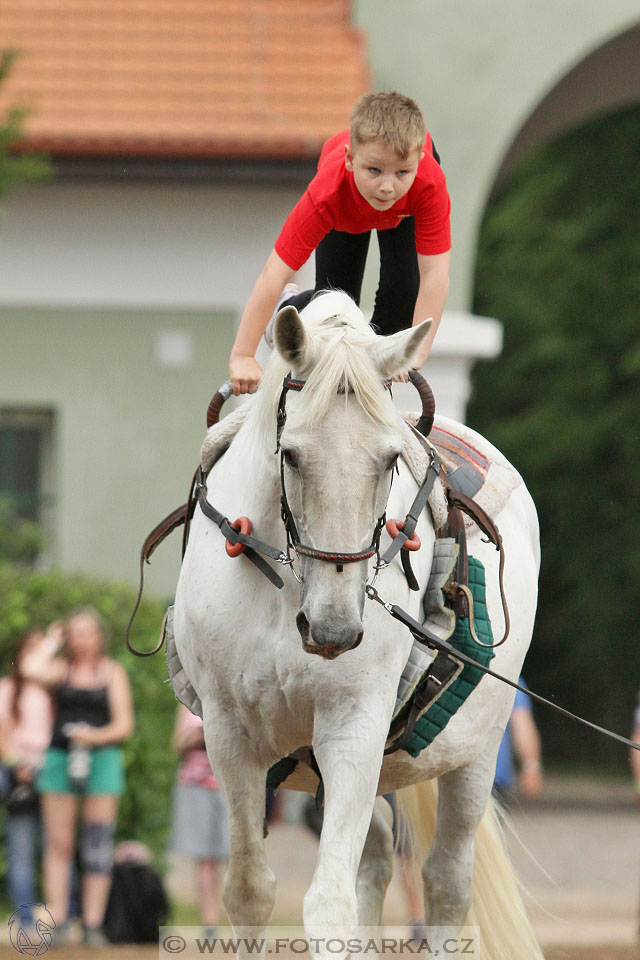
x=88, y=705
x=83, y=766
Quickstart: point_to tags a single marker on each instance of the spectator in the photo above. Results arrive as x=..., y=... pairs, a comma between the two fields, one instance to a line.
x=83, y=766
x=200, y=829
x=522, y=738
x=26, y=717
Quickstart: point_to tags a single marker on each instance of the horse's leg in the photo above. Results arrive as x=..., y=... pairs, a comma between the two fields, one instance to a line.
x=447, y=872
x=376, y=865
x=249, y=886
x=350, y=776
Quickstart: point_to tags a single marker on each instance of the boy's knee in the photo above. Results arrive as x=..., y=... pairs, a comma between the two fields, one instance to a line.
x=96, y=847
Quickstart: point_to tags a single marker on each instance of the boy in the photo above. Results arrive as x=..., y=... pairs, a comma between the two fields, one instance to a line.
x=383, y=174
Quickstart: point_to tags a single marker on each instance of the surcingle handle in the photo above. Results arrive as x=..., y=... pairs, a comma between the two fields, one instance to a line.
x=425, y=422
x=217, y=401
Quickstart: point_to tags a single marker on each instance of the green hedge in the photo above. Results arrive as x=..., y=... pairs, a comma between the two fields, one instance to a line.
x=29, y=599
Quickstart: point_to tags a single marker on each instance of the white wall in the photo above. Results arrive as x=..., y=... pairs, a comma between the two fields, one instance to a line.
x=138, y=245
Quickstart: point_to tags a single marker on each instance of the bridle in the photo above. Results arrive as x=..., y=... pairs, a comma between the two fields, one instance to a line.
x=255, y=549
x=293, y=538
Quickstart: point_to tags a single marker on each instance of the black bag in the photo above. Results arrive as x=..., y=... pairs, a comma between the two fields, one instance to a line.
x=137, y=904
x=17, y=797
x=23, y=799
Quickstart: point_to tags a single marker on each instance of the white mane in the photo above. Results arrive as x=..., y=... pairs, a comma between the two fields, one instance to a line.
x=342, y=342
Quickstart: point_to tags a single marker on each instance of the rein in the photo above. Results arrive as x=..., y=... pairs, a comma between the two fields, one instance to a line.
x=429, y=640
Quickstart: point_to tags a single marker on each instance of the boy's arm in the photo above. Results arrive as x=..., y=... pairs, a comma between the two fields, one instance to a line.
x=245, y=372
x=434, y=287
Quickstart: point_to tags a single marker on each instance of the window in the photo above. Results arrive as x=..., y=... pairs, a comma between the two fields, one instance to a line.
x=25, y=462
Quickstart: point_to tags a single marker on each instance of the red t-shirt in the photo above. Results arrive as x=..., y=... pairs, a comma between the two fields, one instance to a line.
x=332, y=202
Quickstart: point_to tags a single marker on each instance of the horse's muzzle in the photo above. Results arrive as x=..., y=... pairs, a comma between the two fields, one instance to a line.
x=328, y=641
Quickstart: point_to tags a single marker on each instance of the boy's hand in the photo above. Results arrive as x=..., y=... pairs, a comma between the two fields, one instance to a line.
x=245, y=374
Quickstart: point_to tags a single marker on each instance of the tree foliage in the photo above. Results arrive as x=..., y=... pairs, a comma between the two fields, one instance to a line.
x=20, y=540
x=558, y=264
x=16, y=168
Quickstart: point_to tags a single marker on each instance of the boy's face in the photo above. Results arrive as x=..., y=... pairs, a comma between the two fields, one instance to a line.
x=380, y=174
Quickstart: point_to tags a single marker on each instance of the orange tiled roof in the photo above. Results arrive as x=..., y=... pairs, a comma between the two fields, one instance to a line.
x=182, y=78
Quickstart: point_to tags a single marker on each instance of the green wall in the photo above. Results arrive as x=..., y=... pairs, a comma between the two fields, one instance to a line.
x=127, y=431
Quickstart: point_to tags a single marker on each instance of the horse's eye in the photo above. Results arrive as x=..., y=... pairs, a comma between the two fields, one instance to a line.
x=290, y=459
x=393, y=461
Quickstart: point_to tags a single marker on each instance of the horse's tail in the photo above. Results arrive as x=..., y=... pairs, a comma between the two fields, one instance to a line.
x=496, y=906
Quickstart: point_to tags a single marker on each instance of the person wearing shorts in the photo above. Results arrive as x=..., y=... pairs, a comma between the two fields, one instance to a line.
x=83, y=767
x=200, y=828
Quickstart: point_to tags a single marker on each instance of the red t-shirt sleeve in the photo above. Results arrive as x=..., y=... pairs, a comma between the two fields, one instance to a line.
x=431, y=213
x=303, y=230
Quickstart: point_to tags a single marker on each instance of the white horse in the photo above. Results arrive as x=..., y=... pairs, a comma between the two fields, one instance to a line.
x=318, y=665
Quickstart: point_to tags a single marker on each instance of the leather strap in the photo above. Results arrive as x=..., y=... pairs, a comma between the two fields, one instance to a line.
x=253, y=546
x=423, y=635
x=181, y=515
x=439, y=675
x=411, y=520
x=455, y=528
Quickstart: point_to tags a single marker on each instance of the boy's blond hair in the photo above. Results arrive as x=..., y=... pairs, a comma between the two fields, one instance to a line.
x=393, y=119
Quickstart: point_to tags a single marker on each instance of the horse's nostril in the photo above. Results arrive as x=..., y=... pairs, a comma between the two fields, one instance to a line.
x=303, y=625
x=358, y=640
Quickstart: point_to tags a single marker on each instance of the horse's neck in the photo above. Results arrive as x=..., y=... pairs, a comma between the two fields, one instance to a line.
x=255, y=471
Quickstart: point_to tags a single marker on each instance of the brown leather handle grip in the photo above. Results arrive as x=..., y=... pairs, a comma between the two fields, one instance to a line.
x=426, y=396
x=425, y=422
x=217, y=401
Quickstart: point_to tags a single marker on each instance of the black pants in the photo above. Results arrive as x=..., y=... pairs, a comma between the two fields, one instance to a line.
x=340, y=263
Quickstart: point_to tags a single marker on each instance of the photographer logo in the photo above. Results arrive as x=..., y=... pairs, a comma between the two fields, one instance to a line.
x=34, y=942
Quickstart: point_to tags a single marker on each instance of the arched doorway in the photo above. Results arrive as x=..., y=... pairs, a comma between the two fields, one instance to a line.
x=606, y=80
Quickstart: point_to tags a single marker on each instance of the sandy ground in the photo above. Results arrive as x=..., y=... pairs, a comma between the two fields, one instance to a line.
x=577, y=852
x=599, y=952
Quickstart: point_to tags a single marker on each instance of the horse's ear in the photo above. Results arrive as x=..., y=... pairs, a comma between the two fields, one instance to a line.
x=290, y=336
x=394, y=354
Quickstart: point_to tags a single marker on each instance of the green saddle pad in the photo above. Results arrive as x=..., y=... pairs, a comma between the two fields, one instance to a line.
x=439, y=713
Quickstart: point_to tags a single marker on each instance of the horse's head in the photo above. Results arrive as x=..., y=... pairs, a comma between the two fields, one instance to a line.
x=340, y=442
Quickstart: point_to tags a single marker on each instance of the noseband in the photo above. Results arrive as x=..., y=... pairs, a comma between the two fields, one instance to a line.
x=293, y=538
